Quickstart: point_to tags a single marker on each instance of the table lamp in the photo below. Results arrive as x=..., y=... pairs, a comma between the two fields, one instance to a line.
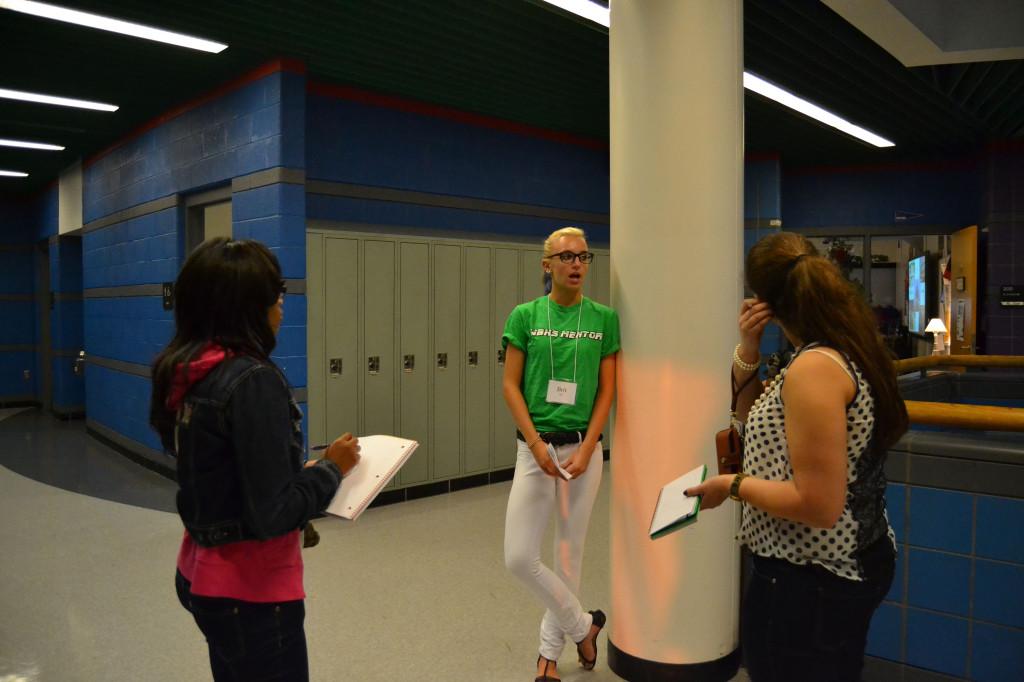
x=938, y=330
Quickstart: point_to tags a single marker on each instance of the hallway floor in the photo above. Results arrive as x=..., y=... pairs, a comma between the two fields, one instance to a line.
x=413, y=591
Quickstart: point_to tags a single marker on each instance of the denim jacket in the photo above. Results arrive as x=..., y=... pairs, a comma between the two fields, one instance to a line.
x=240, y=457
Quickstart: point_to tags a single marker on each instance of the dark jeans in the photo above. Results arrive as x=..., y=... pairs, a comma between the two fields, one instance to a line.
x=803, y=623
x=250, y=641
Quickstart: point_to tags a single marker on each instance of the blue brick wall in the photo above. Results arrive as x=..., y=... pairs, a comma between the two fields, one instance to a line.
x=17, y=279
x=961, y=557
x=944, y=195
x=67, y=331
x=248, y=129
x=762, y=189
x=237, y=134
x=378, y=146
x=142, y=250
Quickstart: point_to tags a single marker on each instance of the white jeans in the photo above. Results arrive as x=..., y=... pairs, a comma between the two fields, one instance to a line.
x=533, y=497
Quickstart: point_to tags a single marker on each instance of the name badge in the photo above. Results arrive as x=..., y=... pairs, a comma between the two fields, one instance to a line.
x=561, y=392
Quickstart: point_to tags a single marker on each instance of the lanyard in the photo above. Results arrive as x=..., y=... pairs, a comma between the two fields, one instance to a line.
x=551, y=340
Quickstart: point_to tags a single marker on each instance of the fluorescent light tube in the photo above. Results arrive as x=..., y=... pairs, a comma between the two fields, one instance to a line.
x=582, y=8
x=774, y=92
x=30, y=145
x=13, y=174
x=71, y=16
x=59, y=101
x=601, y=15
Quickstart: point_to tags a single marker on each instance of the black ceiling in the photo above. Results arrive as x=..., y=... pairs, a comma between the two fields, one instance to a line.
x=513, y=59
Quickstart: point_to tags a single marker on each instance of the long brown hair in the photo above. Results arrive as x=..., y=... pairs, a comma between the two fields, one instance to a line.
x=813, y=300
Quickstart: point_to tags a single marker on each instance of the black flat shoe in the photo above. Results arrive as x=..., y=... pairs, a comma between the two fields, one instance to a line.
x=599, y=621
x=544, y=677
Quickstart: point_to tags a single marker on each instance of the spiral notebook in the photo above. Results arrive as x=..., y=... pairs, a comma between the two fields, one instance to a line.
x=380, y=459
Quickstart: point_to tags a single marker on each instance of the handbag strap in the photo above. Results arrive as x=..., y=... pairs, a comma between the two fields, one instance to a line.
x=737, y=389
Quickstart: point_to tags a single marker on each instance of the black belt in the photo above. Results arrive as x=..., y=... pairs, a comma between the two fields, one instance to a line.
x=559, y=437
x=218, y=534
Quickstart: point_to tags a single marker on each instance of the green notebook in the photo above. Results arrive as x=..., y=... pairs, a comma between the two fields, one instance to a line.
x=675, y=510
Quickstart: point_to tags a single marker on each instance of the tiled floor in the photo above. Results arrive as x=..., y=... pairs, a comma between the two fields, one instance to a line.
x=414, y=591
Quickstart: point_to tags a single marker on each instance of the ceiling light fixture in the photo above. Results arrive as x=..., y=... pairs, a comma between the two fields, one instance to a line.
x=583, y=8
x=30, y=145
x=13, y=174
x=59, y=101
x=602, y=15
x=774, y=92
x=71, y=16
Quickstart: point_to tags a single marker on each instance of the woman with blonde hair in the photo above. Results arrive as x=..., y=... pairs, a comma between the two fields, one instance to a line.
x=559, y=381
x=813, y=483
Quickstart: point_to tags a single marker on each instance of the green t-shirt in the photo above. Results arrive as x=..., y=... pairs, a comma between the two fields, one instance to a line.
x=527, y=329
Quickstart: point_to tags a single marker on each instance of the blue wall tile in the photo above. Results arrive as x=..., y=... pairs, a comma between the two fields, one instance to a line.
x=997, y=654
x=999, y=593
x=895, y=509
x=999, y=534
x=936, y=642
x=120, y=402
x=885, y=636
x=939, y=581
x=896, y=589
x=940, y=519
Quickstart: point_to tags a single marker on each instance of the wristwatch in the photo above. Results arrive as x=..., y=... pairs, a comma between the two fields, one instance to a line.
x=734, y=488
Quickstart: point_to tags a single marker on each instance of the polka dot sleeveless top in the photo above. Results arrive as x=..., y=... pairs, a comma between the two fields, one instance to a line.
x=766, y=456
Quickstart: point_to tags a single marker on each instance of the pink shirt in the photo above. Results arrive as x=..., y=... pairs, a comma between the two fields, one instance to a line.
x=251, y=570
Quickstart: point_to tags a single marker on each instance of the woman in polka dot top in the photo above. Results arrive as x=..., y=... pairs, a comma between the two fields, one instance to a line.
x=813, y=482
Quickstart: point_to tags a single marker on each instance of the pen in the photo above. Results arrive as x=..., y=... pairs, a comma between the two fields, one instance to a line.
x=320, y=447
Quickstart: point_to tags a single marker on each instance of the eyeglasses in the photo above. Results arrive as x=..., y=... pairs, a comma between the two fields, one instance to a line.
x=569, y=256
x=282, y=288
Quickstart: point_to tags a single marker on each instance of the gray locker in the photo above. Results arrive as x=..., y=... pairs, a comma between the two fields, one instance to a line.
x=448, y=360
x=413, y=358
x=480, y=358
x=340, y=372
x=315, y=352
x=378, y=324
x=532, y=278
x=596, y=285
x=506, y=297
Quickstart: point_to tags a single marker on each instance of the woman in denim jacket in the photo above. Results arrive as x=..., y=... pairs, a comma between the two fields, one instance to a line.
x=223, y=407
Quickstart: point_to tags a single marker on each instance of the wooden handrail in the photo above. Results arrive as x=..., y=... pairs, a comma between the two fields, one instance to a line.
x=960, y=416
x=928, y=361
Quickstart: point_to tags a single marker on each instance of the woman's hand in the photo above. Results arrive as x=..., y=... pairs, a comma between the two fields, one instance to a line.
x=754, y=316
x=580, y=460
x=712, y=492
x=344, y=452
x=544, y=461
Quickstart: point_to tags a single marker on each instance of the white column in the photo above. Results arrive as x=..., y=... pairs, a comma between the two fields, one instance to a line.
x=676, y=244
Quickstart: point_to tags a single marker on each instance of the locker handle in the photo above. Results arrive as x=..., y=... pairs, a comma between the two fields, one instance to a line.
x=473, y=358
x=335, y=366
x=442, y=361
x=408, y=363
x=373, y=364
x=501, y=356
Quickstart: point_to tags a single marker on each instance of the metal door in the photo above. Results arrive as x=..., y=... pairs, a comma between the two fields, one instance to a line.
x=413, y=358
x=448, y=360
x=479, y=359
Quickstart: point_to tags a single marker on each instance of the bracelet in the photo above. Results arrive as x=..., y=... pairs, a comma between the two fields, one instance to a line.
x=745, y=366
x=734, y=489
x=530, y=445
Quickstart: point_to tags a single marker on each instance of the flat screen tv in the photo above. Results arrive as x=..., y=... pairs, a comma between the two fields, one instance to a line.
x=922, y=276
